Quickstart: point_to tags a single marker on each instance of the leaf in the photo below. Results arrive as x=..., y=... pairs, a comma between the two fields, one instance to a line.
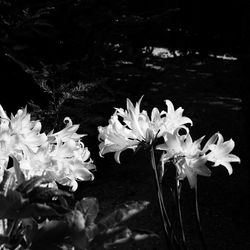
x=119, y=239
x=128, y=236
x=138, y=236
x=90, y=209
x=30, y=229
x=27, y=186
x=121, y=215
x=37, y=210
x=76, y=223
x=52, y=232
x=47, y=194
x=80, y=240
x=19, y=174
x=11, y=203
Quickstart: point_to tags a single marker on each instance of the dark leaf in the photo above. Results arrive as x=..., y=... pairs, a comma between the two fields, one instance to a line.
x=75, y=220
x=123, y=237
x=89, y=208
x=127, y=236
x=52, y=232
x=11, y=203
x=47, y=194
x=3, y=239
x=91, y=232
x=27, y=186
x=18, y=171
x=30, y=229
x=80, y=240
x=121, y=215
x=76, y=224
x=37, y=210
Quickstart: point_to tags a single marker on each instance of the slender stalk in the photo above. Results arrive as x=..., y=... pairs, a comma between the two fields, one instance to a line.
x=169, y=234
x=178, y=200
x=198, y=219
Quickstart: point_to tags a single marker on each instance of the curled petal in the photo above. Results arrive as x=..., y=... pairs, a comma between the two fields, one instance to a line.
x=155, y=115
x=117, y=156
x=212, y=140
x=227, y=165
x=170, y=106
x=83, y=174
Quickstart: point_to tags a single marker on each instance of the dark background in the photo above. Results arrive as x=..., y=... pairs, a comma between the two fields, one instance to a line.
x=82, y=58
x=75, y=40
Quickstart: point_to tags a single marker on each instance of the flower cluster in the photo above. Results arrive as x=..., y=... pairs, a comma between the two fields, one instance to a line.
x=60, y=156
x=136, y=127
x=190, y=160
x=128, y=128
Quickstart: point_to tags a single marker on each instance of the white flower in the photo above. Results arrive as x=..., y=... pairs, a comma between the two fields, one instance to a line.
x=136, y=127
x=138, y=122
x=190, y=159
x=24, y=133
x=220, y=153
x=116, y=138
x=59, y=156
x=173, y=119
x=69, y=132
x=65, y=163
x=186, y=155
x=19, y=136
x=70, y=164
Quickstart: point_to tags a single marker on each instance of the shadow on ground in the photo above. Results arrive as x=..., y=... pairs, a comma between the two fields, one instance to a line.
x=213, y=94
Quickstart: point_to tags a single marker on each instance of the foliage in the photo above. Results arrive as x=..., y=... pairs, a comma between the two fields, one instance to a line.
x=35, y=216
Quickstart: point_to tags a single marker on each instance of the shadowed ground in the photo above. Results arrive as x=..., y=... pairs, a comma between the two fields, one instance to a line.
x=213, y=94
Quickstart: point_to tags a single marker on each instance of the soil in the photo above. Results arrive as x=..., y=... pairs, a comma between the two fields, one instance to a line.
x=213, y=94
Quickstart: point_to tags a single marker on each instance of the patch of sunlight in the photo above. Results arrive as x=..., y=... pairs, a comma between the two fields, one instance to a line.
x=124, y=62
x=156, y=67
x=165, y=53
x=224, y=57
x=233, y=103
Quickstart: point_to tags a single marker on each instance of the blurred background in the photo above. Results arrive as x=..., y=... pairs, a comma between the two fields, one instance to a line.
x=82, y=58
x=70, y=43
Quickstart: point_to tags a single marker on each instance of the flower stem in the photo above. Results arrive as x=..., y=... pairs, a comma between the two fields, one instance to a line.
x=198, y=219
x=178, y=196
x=169, y=234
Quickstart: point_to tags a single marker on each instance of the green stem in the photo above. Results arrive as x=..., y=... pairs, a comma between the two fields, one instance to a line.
x=169, y=234
x=178, y=200
x=198, y=220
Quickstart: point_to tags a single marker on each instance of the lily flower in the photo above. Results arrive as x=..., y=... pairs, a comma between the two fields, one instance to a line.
x=220, y=153
x=69, y=132
x=174, y=119
x=116, y=138
x=60, y=156
x=69, y=164
x=137, y=127
x=190, y=159
x=65, y=163
x=23, y=131
x=138, y=122
x=187, y=156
